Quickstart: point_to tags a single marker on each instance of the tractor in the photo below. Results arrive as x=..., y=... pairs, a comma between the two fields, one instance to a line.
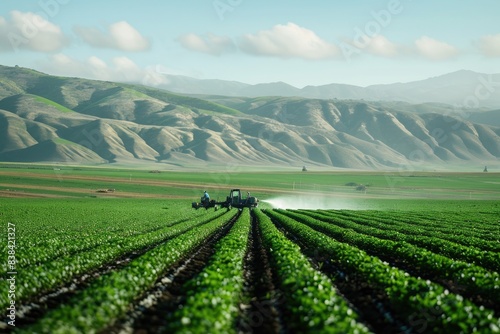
x=234, y=200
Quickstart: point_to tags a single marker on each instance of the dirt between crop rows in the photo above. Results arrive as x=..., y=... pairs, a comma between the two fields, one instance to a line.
x=262, y=311
x=259, y=306
x=37, y=307
x=370, y=302
x=150, y=313
x=452, y=286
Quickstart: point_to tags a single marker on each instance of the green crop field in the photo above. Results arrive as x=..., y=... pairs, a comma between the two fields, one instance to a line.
x=99, y=250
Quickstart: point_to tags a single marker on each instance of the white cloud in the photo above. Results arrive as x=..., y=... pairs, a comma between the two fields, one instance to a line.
x=381, y=46
x=29, y=31
x=97, y=63
x=211, y=44
x=120, y=69
x=434, y=49
x=288, y=41
x=61, y=59
x=490, y=45
x=120, y=35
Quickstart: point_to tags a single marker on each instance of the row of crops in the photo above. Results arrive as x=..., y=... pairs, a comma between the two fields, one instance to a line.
x=116, y=268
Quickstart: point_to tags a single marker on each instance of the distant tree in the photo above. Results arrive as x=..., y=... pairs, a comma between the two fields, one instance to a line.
x=304, y=169
x=485, y=169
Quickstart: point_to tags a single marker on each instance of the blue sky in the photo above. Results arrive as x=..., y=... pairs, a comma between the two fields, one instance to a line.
x=298, y=42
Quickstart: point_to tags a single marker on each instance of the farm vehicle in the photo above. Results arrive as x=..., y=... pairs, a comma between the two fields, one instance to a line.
x=234, y=200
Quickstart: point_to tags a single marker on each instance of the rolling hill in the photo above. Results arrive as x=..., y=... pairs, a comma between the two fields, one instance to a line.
x=71, y=120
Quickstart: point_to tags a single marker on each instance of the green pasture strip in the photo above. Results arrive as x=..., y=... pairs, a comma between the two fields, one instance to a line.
x=476, y=280
x=116, y=222
x=111, y=295
x=324, y=180
x=48, y=276
x=213, y=296
x=420, y=236
x=382, y=182
x=181, y=100
x=63, y=193
x=311, y=297
x=92, y=186
x=476, y=255
x=52, y=103
x=445, y=180
x=409, y=295
x=124, y=181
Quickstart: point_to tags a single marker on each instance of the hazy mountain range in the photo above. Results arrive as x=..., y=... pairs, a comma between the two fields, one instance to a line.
x=45, y=118
x=462, y=88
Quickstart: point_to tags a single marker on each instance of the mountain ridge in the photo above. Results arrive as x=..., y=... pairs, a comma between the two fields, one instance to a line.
x=74, y=120
x=455, y=88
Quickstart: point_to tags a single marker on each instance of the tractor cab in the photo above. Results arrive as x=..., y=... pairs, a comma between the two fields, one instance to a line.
x=234, y=200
